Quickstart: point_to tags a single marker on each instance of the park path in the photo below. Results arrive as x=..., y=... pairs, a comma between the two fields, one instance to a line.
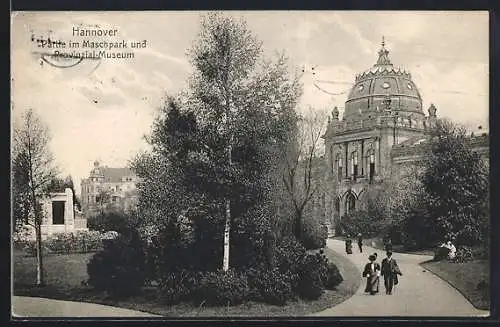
x=419, y=292
x=34, y=307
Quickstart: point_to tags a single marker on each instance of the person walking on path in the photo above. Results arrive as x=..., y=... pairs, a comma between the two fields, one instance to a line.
x=372, y=275
x=360, y=243
x=388, y=243
x=348, y=245
x=390, y=271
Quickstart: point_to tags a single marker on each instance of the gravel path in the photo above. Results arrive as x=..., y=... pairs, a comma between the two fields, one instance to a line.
x=41, y=307
x=419, y=293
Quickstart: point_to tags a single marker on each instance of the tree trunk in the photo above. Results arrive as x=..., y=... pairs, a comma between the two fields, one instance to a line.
x=227, y=230
x=38, y=236
x=298, y=225
x=227, y=227
x=39, y=260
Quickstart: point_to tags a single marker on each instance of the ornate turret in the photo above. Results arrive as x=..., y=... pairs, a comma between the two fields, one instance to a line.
x=335, y=113
x=431, y=120
x=383, y=56
x=432, y=110
x=96, y=173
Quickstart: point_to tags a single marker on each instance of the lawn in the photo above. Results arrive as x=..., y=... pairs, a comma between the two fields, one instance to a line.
x=65, y=273
x=472, y=279
x=377, y=243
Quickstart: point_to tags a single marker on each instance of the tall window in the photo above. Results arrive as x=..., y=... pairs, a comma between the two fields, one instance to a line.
x=58, y=212
x=350, y=204
x=337, y=207
x=354, y=164
x=371, y=162
x=338, y=161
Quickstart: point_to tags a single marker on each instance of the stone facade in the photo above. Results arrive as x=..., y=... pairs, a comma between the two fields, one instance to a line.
x=117, y=185
x=60, y=215
x=383, y=128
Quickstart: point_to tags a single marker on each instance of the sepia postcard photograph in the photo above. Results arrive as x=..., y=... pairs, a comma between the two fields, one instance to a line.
x=250, y=164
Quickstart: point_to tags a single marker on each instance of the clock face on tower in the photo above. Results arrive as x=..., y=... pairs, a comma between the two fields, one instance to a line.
x=361, y=87
x=409, y=86
x=385, y=85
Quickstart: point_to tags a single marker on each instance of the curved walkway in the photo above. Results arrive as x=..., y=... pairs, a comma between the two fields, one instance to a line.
x=35, y=307
x=419, y=292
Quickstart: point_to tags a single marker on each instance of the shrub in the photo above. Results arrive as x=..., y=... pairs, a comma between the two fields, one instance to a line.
x=111, y=221
x=79, y=242
x=481, y=252
x=314, y=236
x=441, y=253
x=222, y=288
x=312, y=275
x=270, y=286
x=119, y=268
x=362, y=222
x=290, y=256
x=333, y=277
x=88, y=241
x=179, y=286
x=464, y=254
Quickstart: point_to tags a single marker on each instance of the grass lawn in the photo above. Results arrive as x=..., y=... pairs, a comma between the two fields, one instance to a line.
x=467, y=278
x=377, y=243
x=65, y=273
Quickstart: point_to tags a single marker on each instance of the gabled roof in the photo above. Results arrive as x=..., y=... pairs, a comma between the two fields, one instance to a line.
x=115, y=174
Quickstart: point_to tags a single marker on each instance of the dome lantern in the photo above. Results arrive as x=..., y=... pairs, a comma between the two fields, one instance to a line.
x=383, y=56
x=373, y=87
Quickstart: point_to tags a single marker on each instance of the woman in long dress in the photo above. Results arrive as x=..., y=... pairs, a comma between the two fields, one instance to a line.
x=372, y=275
x=348, y=245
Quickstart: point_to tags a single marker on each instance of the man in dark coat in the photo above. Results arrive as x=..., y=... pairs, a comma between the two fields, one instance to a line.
x=360, y=243
x=390, y=271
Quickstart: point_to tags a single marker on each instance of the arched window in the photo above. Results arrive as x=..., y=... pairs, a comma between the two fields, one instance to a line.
x=338, y=163
x=354, y=164
x=371, y=164
x=337, y=207
x=350, y=203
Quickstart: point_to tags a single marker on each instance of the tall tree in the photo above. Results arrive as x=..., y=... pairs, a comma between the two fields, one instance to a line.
x=224, y=56
x=456, y=181
x=33, y=171
x=301, y=157
x=216, y=146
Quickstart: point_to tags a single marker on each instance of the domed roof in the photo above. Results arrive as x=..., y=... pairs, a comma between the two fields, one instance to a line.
x=383, y=81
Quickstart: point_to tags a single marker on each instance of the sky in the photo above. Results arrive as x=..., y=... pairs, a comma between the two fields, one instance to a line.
x=101, y=109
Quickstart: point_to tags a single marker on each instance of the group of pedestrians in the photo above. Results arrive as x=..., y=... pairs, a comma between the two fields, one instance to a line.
x=389, y=269
x=348, y=244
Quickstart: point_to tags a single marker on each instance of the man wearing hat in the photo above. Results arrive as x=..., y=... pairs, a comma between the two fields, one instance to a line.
x=390, y=271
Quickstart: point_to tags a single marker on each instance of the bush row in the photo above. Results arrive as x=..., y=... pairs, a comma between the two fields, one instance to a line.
x=463, y=254
x=79, y=242
x=120, y=270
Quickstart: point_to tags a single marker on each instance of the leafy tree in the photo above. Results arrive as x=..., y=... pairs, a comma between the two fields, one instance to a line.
x=301, y=155
x=456, y=182
x=32, y=172
x=217, y=146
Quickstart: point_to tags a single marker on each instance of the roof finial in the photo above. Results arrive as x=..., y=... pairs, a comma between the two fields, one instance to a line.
x=383, y=55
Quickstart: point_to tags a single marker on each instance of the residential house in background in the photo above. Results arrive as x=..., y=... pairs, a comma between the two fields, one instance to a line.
x=108, y=189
